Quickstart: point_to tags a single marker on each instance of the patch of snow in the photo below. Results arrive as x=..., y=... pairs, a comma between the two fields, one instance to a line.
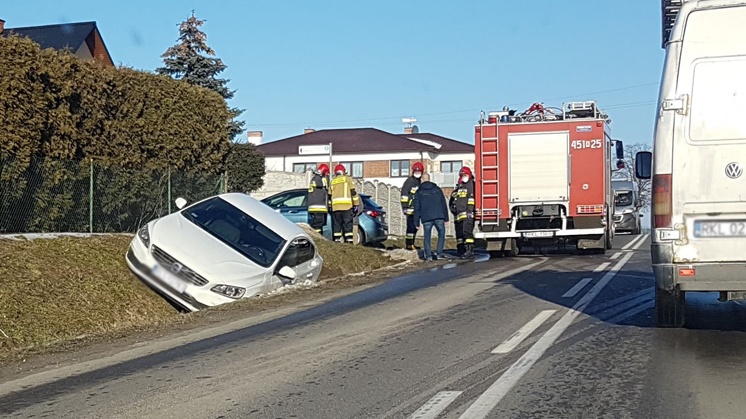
x=34, y=236
x=292, y=287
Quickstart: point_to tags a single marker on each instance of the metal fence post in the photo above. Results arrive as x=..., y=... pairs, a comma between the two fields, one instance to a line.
x=90, y=201
x=169, y=190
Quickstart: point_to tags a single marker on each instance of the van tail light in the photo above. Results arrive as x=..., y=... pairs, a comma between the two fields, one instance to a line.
x=662, y=201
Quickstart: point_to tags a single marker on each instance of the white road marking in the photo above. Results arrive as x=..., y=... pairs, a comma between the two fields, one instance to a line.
x=616, y=255
x=602, y=267
x=632, y=312
x=436, y=405
x=632, y=243
x=576, y=289
x=495, y=393
x=637, y=246
x=524, y=332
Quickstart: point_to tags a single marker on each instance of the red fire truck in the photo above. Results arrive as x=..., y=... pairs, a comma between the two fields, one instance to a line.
x=543, y=177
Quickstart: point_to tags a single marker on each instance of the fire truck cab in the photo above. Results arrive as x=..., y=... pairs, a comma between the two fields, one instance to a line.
x=543, y=177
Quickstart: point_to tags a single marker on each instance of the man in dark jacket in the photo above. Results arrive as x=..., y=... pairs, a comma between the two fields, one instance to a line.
x=430, y=208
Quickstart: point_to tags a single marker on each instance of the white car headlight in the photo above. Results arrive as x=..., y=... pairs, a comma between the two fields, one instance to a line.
x=229, y=291
x=144, y=235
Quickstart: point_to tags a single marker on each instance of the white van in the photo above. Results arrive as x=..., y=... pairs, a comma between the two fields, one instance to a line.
x=698, y=159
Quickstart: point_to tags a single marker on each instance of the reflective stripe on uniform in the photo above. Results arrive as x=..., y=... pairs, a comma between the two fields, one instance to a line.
x=469, y=241
x=405, y=198
x=461, y=216
x=410, y=236
x=337, y=234
x=349, y=234
x=342, y=201
x=471, y=201
x=460, y=241
x=317, y=208
x=410, y=211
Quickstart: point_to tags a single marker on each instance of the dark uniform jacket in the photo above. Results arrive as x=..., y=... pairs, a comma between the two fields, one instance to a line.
x=462, y=200
x=407, y=194
x=318, y=194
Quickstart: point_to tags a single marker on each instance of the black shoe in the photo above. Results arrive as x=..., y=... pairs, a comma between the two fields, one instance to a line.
x=469, y=252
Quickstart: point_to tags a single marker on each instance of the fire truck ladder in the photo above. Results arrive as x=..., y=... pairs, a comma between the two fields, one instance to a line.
x=483, y=182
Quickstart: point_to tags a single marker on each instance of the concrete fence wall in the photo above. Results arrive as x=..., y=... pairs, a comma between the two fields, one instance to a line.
x=385, y=195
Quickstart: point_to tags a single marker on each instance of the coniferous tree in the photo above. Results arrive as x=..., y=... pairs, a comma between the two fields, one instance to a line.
x=193, y=61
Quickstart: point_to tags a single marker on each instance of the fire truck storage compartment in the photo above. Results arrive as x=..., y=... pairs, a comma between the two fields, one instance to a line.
x=539, y=167
x=539, y=217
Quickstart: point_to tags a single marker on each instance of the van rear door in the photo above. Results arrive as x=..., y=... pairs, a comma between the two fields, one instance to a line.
x=709, y=151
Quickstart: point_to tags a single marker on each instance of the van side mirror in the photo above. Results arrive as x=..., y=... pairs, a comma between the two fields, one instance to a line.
x=180, y=203
x=644, y=165
x=620, y=164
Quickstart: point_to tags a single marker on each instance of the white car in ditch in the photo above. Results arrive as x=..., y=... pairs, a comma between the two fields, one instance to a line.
x=220, y=250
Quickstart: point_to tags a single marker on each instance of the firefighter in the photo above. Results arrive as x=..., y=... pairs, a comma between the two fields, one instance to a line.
x=462, y=207
x=407, y=202
x=345, y=203
x=318, y=198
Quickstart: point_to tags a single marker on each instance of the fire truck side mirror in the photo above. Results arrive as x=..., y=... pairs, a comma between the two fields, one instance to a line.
x=644, y=165
x=619, y=145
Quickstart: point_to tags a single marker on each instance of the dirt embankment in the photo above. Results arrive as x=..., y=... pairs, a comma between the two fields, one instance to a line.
x=79, y=289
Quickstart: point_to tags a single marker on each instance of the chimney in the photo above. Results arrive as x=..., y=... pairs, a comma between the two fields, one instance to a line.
x=2, y=25
x=308, y=130
x=255, y=137
x=412, y=130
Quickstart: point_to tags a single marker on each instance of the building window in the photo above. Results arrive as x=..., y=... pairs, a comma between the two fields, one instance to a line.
x=400, y=168
x=450, y=166
x=303, y=167
x=354, y=169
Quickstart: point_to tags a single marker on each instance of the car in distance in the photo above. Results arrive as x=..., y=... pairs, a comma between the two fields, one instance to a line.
x=626, y=207
x=220, y=250
x=293, y=205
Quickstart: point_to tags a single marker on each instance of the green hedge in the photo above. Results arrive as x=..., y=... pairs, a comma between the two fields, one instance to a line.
x=55, y=105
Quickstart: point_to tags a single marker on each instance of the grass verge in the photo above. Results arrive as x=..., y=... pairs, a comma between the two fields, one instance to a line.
x=57, y=291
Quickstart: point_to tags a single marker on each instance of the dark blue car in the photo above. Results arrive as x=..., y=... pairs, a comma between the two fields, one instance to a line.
x=293, y=205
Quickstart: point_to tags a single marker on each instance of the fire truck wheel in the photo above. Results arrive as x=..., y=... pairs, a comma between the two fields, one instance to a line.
x=514, y=249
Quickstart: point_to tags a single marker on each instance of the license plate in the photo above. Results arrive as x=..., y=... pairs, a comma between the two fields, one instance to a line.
x=169, y=279
x=720, y=229
x=538, y=234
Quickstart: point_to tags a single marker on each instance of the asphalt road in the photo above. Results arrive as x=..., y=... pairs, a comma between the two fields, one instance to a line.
x=557, y=336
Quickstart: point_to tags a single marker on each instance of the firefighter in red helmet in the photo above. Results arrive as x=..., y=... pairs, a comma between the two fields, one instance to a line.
x=462, y=206
x=345, y=203
x=318, y=198
x=407, y=202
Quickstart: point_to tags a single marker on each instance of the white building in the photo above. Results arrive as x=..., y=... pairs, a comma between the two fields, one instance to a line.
x=371, y=154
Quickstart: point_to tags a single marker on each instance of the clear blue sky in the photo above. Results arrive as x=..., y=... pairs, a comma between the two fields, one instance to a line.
x=325, y=64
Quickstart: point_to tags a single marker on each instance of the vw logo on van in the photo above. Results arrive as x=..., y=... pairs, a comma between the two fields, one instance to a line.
x=733, y=170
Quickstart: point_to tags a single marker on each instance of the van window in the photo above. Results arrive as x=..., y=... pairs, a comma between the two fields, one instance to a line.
x=718, y=100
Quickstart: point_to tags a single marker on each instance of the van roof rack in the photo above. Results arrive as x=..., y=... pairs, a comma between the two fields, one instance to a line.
x=669, y=11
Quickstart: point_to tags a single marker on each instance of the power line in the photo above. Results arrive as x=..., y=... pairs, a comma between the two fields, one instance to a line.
x=355, y=121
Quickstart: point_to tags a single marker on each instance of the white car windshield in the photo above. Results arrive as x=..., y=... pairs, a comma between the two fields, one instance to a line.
x=236, y=229
x=624, y=199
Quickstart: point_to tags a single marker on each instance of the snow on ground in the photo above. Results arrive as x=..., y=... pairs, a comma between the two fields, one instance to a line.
x=292, y=287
